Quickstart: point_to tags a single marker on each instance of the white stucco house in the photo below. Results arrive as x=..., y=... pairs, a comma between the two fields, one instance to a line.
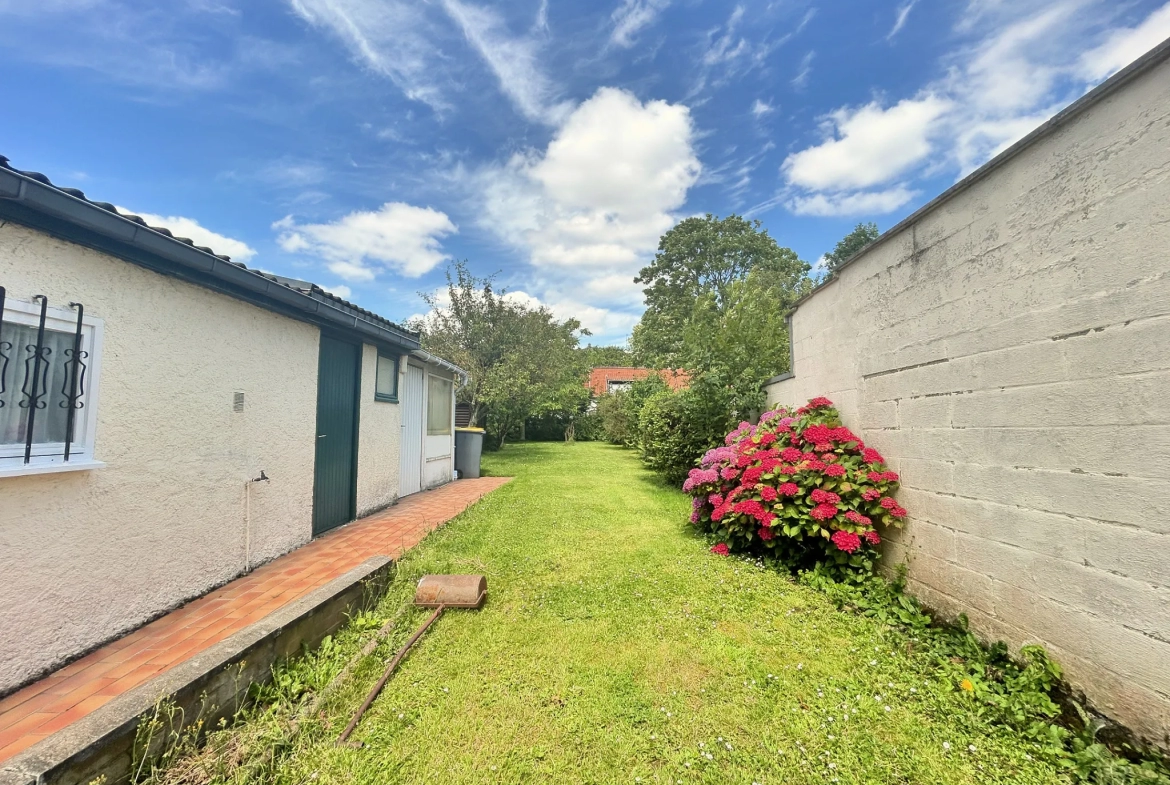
x=170, y=419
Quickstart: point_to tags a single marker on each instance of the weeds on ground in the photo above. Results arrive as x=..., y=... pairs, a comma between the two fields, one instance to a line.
x=1024, y=693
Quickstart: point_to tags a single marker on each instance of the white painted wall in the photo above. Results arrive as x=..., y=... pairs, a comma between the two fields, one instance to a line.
x=88, y=555
x=1010, y=353
x=379, y=441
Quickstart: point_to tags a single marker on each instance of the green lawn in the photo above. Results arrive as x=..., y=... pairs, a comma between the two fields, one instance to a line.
x=615, y=648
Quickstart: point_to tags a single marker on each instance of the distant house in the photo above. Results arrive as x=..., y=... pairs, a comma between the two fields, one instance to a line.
x=241, y=414
x=608, y=379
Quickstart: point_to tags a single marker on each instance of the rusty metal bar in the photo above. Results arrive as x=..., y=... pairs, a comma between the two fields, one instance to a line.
x=387, y=674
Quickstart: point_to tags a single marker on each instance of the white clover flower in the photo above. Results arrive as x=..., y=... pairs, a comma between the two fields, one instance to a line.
x=970, y=748
x=947, y=746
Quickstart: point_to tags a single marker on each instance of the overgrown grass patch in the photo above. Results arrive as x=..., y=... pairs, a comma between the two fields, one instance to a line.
x=613, y=648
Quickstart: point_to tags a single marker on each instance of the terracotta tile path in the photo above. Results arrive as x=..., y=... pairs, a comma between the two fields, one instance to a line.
x=63, y=697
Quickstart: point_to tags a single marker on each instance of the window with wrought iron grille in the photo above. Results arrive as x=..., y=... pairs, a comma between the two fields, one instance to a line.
x=49, y=364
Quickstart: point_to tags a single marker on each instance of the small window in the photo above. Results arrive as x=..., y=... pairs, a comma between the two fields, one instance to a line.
x=439, y=407
x=48, y=380
x=386, y=384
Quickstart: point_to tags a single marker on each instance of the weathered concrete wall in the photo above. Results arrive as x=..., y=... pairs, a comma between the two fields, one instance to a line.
x=87, y=555
x=379, y=441
x=1008, y=348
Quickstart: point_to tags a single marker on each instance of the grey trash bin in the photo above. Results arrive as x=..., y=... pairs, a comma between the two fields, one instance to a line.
x=468, y=448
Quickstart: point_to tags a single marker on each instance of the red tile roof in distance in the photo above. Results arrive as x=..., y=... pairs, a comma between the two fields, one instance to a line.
x=599, y=378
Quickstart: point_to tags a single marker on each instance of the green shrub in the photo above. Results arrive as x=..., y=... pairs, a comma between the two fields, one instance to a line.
x=675, y=429
x=618, y=425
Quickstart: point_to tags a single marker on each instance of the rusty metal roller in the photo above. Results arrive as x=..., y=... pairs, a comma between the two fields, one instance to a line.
x=451, y=591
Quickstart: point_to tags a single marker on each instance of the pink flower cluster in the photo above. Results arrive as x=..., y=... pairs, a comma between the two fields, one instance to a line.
x=802, y=469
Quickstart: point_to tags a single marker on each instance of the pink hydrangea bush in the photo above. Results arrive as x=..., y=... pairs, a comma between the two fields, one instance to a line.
x=798, y=487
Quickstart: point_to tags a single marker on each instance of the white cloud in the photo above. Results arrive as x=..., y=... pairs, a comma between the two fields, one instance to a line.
x=179, y=226
x=339, y=290
x=1122, y=47
x=801, y=79
x=588, y=210
x=603, y=323
x=410, y=43
x=730, y=52
x=900, y=18
x=729, y=46
x=512, y=59
x=398, y=236
x=759, y=108
x=1021, y=63
x=395, y=38
x=602, y=192
x=867, y=145
x=145, y=46
x=633, y=16
x=855, y=203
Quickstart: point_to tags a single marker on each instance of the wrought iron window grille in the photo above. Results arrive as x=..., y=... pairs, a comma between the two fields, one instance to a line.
x=38, y=359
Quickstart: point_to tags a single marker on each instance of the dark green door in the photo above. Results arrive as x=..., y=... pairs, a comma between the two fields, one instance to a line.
x=335, y=483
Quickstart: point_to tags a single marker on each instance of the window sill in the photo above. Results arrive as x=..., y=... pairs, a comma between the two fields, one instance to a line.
x=385, y=398
x=23, y=469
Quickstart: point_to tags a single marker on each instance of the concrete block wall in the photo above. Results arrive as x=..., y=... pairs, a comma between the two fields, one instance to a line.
x=1008, y=349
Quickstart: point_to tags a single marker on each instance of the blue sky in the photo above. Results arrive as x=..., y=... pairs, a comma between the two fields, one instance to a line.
x=363, y=144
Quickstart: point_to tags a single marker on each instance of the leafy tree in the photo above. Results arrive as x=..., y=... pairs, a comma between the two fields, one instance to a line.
x=615, y=356
x=862, y=235
x=522, y=361
x=697, y=278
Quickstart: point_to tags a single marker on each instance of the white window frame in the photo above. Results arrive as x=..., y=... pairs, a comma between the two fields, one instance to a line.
x=81, y=449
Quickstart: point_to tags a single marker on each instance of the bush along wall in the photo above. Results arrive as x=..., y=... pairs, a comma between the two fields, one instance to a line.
x=803, y=492
x=799, y=488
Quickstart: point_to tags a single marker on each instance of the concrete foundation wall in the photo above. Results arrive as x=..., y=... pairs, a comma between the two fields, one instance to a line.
x=1008, y=349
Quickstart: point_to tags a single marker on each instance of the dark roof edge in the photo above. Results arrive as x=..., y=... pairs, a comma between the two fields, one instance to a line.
x=24, y=200
x=1138, y=67
x=780, y=378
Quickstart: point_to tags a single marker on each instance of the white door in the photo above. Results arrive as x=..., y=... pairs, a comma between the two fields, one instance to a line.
x=410, y=460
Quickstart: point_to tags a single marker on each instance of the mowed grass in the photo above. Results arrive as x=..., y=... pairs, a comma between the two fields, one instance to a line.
x=615, y=648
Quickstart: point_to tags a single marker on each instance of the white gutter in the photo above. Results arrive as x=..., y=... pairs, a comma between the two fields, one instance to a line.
x=432, y=359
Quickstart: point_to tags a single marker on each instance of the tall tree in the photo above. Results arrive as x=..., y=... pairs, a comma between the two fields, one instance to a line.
x=698, y=289
x=615, y=356
x=522, y=360
x=862, y=235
